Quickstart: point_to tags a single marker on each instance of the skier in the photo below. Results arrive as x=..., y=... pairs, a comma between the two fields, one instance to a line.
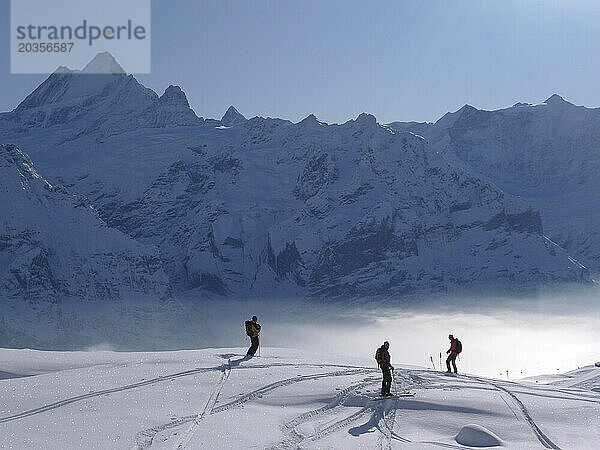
x=382, y=356
x=455, y=349
x=253, y=330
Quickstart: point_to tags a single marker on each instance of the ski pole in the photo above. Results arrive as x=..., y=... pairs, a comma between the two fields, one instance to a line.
x=395, y=385
x=432, y=363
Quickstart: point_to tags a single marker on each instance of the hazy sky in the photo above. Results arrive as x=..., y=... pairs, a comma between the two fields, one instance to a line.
x=398, y=59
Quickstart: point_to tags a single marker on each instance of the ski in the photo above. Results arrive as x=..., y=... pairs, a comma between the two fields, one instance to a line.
x=404, y=394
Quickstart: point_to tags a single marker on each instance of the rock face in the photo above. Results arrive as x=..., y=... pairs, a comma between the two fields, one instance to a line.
x=546, y=153
x=265, y=207
x=55, y=249
x=170, y=110
x=335, y=210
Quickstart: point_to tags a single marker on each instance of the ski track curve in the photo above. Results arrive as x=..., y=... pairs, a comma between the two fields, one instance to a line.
x=588, y=383
x=384, y=416
x=386, y=428
x=145, y=438
x=293, y=438
x=320, y=434
x=541, y=436
x=288, y=381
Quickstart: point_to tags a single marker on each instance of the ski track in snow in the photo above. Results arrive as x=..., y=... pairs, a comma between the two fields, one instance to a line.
x=294, y=437
x=79, y=398
x=544, y=440
x=288, y=381
x=144, y=439
x=386, y=427
x=208, y=408
x=320, y=434
x=383, y=417
x=151, y=381
x=587, y=384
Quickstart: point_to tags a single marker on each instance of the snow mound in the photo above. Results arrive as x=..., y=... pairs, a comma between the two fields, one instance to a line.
x=477, y=436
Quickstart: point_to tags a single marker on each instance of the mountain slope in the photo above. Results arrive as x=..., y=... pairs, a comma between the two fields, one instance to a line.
x=547, y=153
x=340, y=210
x=54, y=250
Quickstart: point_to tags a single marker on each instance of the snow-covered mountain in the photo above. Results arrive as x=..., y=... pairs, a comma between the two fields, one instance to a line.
x=548, y=153
x=70, y=104
x=232, y=117
x=334, y=210
x=266, y=207
x=56, y=251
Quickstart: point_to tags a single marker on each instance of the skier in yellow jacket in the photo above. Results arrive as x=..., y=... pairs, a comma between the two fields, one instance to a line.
x=253, y=330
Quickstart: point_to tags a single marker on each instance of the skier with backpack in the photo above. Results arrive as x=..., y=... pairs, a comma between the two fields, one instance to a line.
x=382, y=356
x=453, y=352
x=253, y=330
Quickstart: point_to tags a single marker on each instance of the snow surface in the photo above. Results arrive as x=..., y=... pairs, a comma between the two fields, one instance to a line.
x=475, y=435
x=216, y=398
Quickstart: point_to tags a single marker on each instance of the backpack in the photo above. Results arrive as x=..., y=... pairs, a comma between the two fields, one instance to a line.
x=249, y=327
x=458, y=347
x=378, y=356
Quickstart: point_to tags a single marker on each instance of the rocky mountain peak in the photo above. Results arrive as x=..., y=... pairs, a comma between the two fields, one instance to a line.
x=366, y=119
x=554, y=99
x=232, y=117
x=104, y=63
x=174, y=96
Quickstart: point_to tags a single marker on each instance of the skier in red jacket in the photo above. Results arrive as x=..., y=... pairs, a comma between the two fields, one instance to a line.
x=455, y=349
x=383, y=359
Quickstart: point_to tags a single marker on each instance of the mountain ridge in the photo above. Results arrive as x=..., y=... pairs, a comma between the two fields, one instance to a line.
x=329, y=218
x=545, y=152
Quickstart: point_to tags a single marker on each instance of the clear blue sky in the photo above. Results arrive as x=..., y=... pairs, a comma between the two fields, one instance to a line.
x=399, y=60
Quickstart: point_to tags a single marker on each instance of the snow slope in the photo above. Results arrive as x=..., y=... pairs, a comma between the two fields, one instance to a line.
x=216, y=398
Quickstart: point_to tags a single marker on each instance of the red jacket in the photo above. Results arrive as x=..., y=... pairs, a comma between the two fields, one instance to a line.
x=453, y=346
x=385, y=357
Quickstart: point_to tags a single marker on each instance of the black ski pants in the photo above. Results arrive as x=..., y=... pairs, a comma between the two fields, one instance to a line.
x=451, y=359
x=386, y=384
x=254, y=346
